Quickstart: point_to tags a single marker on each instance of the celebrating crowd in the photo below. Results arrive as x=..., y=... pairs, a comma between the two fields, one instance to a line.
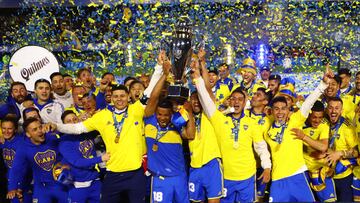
x=230, y=141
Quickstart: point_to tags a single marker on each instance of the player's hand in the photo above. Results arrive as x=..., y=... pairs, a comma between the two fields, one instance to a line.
x=48, y=127
x=332, y=157
x=195, y=69
x=299, y=134
x=328, y=74
x=166, y=66
x=202, y=54
x=161, y=57
x=105, y=157
x=11, y=194
x=265, y=176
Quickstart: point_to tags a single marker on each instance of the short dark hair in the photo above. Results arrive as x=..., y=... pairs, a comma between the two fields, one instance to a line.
x=268, y=94
x=66, y=113
x=119, y=87
x=357, y=73
x=278, y=99
x=12, y=120
x=318, y=106
x=345, y=71
x=275, y=77
x=334, y=99
x=28, y=121
x=135, y=82
x=224, y=64
x=29, y=109
x=213, y=70
x=165, y=103
x=238, y=90
x=41, y=80
x=89, y=94
x=16, y=83
x=66, y=75
x=82, y=70
x=107, y=73
x=337, y=79
x=54, y=74
x=128, y=78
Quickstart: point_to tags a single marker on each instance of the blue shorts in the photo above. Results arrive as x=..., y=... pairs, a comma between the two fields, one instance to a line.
x=356, y=189
x=260, y=186
x=295, y=188
x=206, y=182
x=327, y=194
x=169, y=189
x=54, y=192
x=89, y=194
x=239, y=191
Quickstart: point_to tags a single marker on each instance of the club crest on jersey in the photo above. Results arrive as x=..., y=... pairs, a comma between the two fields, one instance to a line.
x=45, y=160
x=261, y=122
x=311, y=133
x=109, y=123
x=8, y=156
x=246, y=127
x=48, y=111
x=86, y=147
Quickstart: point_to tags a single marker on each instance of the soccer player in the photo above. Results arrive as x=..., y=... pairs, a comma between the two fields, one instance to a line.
x=9, y=148
x=121, y=127
x=265, y=73
x=248, y=72
x=289, y=182
x=345, y=76
x=355, y=93
x=236, y=136
x=17, y=96
x=136, y=90
x=79, y=152
x=78, y=92
x=85, y=77
x=163, y=140
x=50, y=111
x=259, y=102
x=342, y=149
x=60, y=93
x=315, y=135
x=274, y=83
x=39, y=151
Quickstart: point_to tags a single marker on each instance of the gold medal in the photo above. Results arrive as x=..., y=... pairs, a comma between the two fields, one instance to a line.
x=155, y=147
x=117, y=139
x=236, y=145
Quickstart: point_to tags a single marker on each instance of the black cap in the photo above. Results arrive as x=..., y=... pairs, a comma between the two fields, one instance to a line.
x=265, y=68
x=345, y=71
x=275, y=77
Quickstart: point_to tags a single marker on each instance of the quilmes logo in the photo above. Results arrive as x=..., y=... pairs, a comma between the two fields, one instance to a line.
x=30, y=63
x=35, y=66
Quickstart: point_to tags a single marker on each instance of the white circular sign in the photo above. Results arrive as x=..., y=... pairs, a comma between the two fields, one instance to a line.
x=31, y=63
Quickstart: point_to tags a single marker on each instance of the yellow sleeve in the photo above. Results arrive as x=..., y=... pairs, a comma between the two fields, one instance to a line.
x=219, y=123
x=137, y=109
x=93, y=122
x=324, y=133
x=350, y=137
x=257, y=134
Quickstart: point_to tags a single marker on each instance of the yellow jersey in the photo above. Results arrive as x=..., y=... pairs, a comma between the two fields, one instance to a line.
x=236, y=137
x=126, y=151
x=263, y=122
x=342, y=137
x=204, y=147
x=286, y=152
x=319, y=133
x=356, y=170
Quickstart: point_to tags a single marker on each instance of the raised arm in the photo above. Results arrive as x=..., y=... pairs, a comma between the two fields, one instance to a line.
x=311, y=99
x=155, y=94
x=189, y=131
x=156, y=75
x=205, y=73
x=207, y=103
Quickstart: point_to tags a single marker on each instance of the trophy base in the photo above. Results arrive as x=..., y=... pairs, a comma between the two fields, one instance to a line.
x=178, y=93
